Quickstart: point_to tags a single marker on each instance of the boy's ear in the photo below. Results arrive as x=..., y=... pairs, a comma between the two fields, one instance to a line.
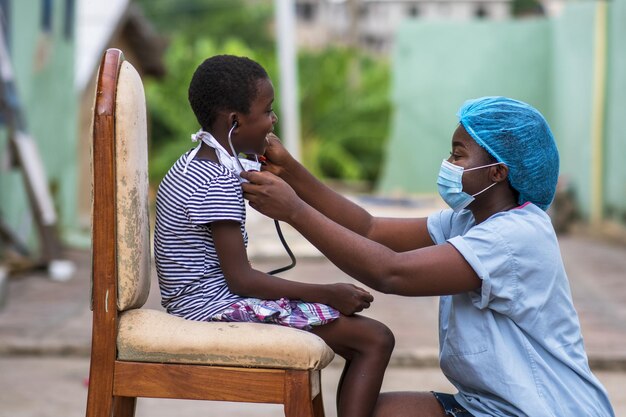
x=233, y=119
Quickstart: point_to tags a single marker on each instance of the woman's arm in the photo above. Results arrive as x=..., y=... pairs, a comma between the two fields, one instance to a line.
x=245, y=281
x=398, y=234
x=433, y=270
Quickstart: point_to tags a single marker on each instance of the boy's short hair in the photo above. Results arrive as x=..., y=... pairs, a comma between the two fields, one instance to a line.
x=223, y=83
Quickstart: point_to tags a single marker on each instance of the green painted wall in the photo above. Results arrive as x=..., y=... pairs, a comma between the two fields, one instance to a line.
x=546, y=62
x=437, y=66
x=572, y=91
x=615, y=151
x=44, y=71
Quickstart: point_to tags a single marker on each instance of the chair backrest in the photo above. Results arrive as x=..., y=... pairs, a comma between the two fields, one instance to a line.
x=131, y=177
x=121, y=244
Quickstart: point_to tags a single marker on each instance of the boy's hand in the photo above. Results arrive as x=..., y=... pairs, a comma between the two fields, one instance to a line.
x=276, y=156
x=348, y=298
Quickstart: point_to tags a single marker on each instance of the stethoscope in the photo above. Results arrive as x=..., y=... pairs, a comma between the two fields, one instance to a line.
x=276, y=223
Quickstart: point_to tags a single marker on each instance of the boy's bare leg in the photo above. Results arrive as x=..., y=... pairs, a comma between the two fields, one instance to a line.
x=346, y=366
x=366, y=345
x=414, y=404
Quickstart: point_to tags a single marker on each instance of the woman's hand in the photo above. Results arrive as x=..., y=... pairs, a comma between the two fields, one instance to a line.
x=271, y=195
x=276, y=156
x=348, y=298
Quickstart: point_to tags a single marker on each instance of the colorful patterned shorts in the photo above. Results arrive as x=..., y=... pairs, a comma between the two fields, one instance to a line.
x=285, y=312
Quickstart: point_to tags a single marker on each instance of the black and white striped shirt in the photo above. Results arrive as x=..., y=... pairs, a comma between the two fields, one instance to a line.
x=191, y=280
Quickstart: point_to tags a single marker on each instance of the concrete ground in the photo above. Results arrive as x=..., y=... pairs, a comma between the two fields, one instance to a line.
x=45, y=327
x=54, y=387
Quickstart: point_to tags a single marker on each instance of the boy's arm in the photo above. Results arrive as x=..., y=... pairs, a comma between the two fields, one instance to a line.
x=246, y=281
x=396, y=233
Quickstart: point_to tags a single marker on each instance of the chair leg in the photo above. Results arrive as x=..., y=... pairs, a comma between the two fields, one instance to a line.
x=100, y=394
x=316, y=387
x=298, y=401
x=318, y=405
x=124, y=406
x=98, y=407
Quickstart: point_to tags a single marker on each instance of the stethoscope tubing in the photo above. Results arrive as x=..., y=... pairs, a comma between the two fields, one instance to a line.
x=276, y=222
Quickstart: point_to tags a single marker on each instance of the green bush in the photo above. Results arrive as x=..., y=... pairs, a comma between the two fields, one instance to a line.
x=345, y=110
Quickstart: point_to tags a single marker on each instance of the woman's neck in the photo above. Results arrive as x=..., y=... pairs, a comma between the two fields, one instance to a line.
x=501, y=200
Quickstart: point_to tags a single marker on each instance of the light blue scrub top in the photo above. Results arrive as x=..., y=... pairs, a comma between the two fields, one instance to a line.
x=514, y=347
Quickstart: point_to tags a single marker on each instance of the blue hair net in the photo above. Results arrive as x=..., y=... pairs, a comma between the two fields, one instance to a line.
x=516, y=134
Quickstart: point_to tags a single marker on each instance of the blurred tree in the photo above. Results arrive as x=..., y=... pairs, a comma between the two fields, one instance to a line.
x=216, y=19
x=345, y=122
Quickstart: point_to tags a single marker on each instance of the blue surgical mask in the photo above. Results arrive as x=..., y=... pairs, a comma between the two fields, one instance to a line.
x=450, y=184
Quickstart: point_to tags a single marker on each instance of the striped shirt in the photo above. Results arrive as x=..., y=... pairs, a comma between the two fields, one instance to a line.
x=192, y=283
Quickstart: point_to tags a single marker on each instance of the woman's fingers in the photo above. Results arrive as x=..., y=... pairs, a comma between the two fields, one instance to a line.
x=271, y=136
x=255, y=177
x=254, y=189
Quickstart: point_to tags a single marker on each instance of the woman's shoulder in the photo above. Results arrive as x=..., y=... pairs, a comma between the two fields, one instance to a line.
x=525, y=229
x=525, y=219
x=526, y=222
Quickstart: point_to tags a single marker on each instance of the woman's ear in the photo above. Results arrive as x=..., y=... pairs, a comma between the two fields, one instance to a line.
x=499, y=173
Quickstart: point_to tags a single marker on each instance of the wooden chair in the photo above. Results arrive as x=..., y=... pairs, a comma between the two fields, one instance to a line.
x=138, y=352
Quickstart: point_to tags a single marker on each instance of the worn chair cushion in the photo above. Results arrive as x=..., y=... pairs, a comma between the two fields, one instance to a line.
x=131, y=176
x=154, y=336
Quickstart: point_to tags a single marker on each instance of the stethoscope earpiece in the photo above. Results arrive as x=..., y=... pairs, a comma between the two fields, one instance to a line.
x=232, y=148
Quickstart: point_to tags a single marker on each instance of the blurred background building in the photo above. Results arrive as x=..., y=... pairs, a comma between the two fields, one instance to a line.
x=372, y=23
x=379, y=84
x=101, y=25
x=571, y=66
x=55, y=49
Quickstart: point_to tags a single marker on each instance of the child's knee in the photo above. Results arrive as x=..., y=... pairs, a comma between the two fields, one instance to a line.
x=382, y=338
x=389, y=339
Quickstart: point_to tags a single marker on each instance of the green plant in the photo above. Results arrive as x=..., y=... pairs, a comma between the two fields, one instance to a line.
x=345, y=112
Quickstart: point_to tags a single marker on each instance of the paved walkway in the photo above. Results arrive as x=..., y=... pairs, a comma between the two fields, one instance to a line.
x=45, y=326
